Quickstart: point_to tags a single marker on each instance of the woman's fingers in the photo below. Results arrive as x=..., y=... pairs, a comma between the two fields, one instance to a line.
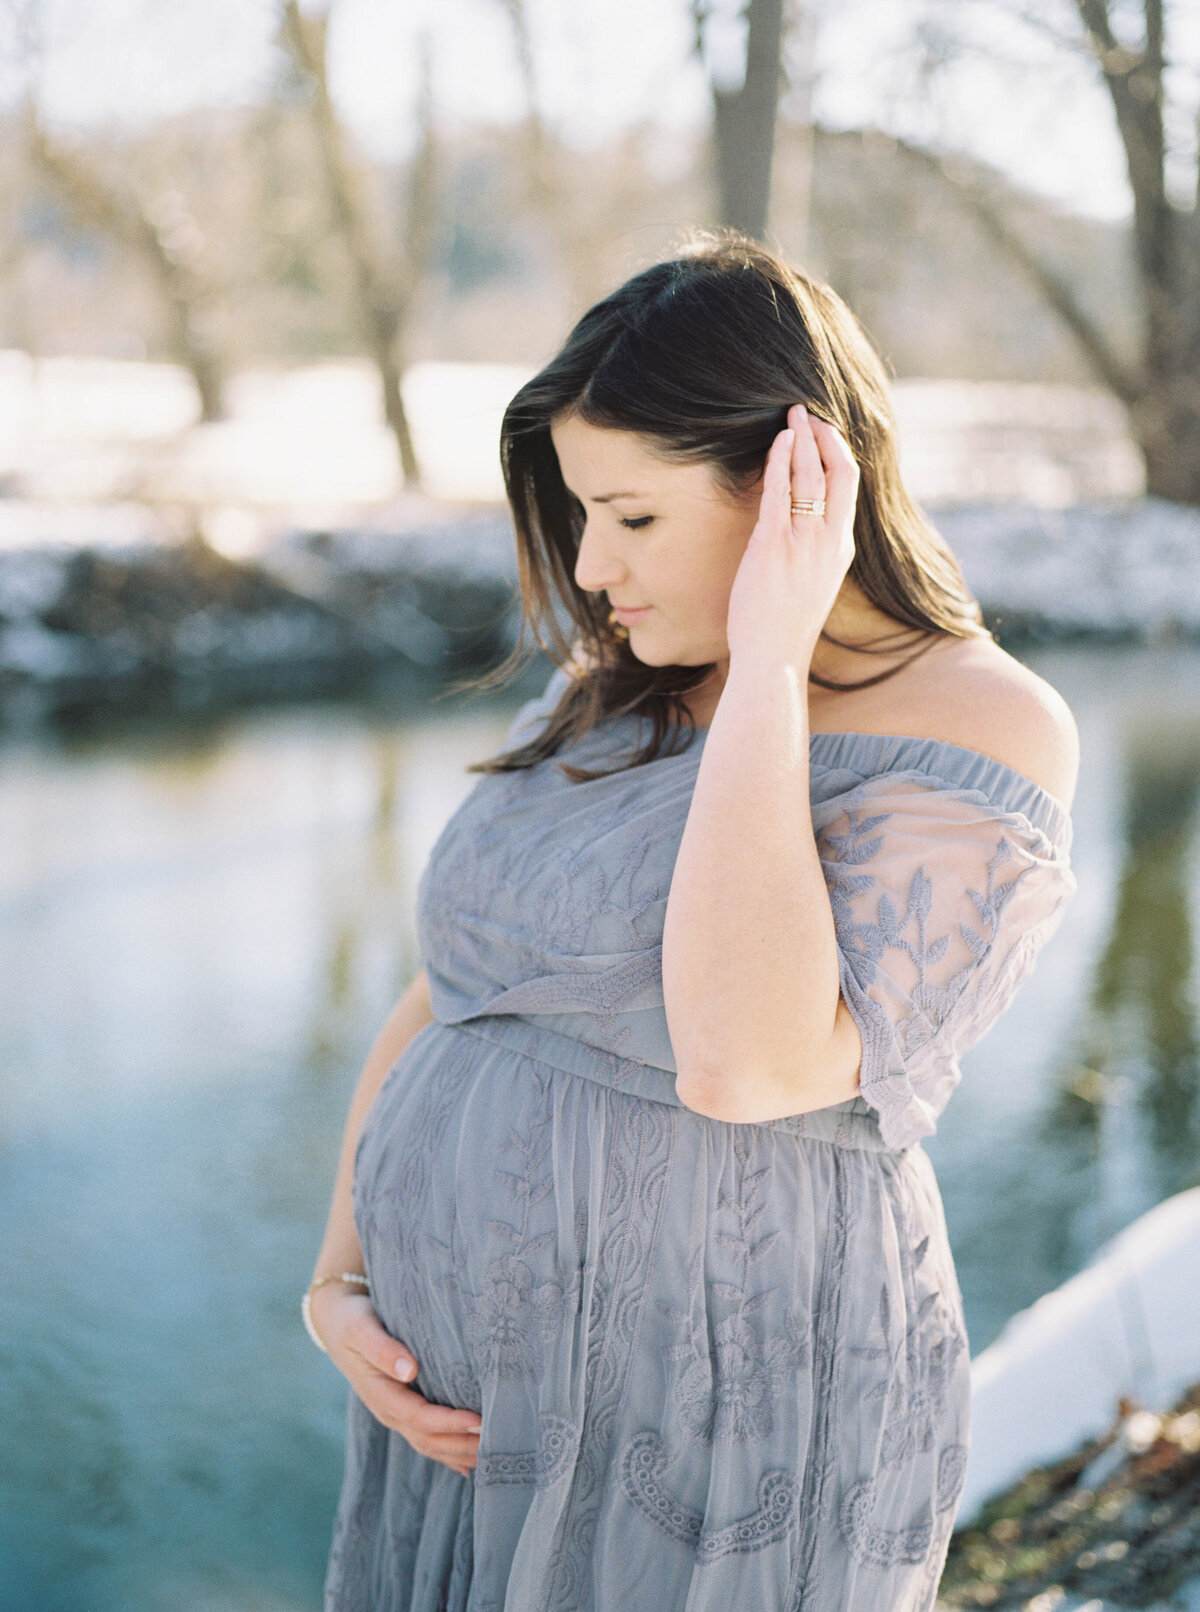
x=777, y=481
x=419, y=1415
x=808, y=471
x=439, y=1419
x=777, y=474
x=377, y=1366
x=376, y=1345
x=440, y=1432
x=840, y=470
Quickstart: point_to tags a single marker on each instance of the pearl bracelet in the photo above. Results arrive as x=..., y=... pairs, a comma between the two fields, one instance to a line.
x=346, y=1276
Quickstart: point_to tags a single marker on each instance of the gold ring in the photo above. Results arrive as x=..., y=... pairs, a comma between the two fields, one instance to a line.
x=808, y=506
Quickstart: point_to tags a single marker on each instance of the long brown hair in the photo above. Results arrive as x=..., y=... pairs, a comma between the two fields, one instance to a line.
x=703, y=354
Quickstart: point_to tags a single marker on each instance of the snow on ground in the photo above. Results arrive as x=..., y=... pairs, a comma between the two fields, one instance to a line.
x=1126, y=1326
x=1036, y=488
x=104, y=452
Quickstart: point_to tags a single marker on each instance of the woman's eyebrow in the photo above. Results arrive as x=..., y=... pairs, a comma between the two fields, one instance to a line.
x=603, y=498
x=607, y=497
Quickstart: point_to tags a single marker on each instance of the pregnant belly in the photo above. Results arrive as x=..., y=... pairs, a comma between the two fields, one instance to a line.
x=465, y=1212
x=533, y=1236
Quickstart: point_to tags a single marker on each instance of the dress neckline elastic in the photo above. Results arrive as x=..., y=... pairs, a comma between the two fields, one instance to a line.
x=956, y=764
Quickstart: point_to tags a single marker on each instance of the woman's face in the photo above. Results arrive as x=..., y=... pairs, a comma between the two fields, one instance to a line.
x=657, y=534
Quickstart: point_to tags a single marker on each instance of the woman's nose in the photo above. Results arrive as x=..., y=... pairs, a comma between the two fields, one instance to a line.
x=596, y=565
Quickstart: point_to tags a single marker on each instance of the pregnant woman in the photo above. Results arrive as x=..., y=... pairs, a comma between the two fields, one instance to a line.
x=635, y=1264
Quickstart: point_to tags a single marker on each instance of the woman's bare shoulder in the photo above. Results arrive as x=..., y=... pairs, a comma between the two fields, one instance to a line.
x=982, y=697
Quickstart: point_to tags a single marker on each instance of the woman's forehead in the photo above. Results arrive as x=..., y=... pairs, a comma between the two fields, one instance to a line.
x=614, y=464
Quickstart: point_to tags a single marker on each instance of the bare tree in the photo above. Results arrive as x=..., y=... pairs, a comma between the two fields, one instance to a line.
x=387, y=272
x=744, y=112
x=1160, y=385
x=582, y=220
x=155, y=223
x=799, y=51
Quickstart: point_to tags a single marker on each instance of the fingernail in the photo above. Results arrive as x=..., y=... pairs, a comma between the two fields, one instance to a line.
x=474, y=1427
x=405, y=1369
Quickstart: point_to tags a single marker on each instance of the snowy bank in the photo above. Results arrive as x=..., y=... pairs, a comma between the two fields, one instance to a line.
x=126, y=614
x=1127, y=1327
x=1083, y=1481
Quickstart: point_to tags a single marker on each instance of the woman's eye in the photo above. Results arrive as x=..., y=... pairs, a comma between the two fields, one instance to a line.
x=636, y=524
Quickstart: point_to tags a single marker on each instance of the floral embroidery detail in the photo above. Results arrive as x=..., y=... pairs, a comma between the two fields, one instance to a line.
x=504, y=1466
x=740, y=1407
x=920, y=997
x=880, y=1547
x=512, y=1322
x=557, y=1442
x=735, y=1402
x=873, y=1546
x=952, y=1472
x=643, y=1462
x=909, y=935
x=639, y=1156
x=642, y=1468
x=921, y=1367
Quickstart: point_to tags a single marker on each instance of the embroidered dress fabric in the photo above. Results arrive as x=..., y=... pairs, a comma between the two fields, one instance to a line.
x=717, y=1364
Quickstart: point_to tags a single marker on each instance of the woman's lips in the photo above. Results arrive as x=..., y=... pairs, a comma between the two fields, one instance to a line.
x=631, y=615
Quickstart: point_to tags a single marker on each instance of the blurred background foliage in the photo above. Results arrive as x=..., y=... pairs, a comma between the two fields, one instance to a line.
x=269, y=227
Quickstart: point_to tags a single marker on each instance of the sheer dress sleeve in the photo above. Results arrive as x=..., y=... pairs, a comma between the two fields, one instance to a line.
x=943, y=896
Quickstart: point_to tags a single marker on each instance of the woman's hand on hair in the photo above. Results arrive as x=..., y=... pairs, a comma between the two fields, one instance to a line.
x=794, y=564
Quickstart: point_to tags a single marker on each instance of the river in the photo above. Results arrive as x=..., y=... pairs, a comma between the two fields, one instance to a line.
x=204, y=921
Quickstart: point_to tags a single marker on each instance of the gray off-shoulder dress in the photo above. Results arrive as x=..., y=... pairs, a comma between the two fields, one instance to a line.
x=718, y=1365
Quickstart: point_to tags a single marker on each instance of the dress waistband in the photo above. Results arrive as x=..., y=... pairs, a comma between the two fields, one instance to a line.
x=851, y=1124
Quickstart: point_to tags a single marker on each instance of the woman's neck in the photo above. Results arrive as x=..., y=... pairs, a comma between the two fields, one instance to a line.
x=854, y=620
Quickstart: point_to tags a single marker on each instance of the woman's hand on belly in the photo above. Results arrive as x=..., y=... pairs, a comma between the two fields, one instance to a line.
x=373, y=1363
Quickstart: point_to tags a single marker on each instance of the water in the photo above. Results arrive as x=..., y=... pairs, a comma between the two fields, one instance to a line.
x=202, y=927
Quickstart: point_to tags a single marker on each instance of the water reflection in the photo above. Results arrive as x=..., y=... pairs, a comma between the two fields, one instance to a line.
x=1139, y=1040
x=358, y=902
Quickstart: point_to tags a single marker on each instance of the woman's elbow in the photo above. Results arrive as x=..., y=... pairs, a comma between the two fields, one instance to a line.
x=815, y=1079
x=742, y=1100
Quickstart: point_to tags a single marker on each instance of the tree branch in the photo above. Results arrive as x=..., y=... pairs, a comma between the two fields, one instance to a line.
x=1134, y=77
x=163, y=235
x=384, y=282
x=1110, y=369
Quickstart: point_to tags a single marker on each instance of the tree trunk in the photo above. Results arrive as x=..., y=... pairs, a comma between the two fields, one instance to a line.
x=383, y=283
x=134, y=221
x=1166, y=426
x=1165, y=414
x=197, y=355
x=1161, y=389
x=744, y=124
x=384, y=333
